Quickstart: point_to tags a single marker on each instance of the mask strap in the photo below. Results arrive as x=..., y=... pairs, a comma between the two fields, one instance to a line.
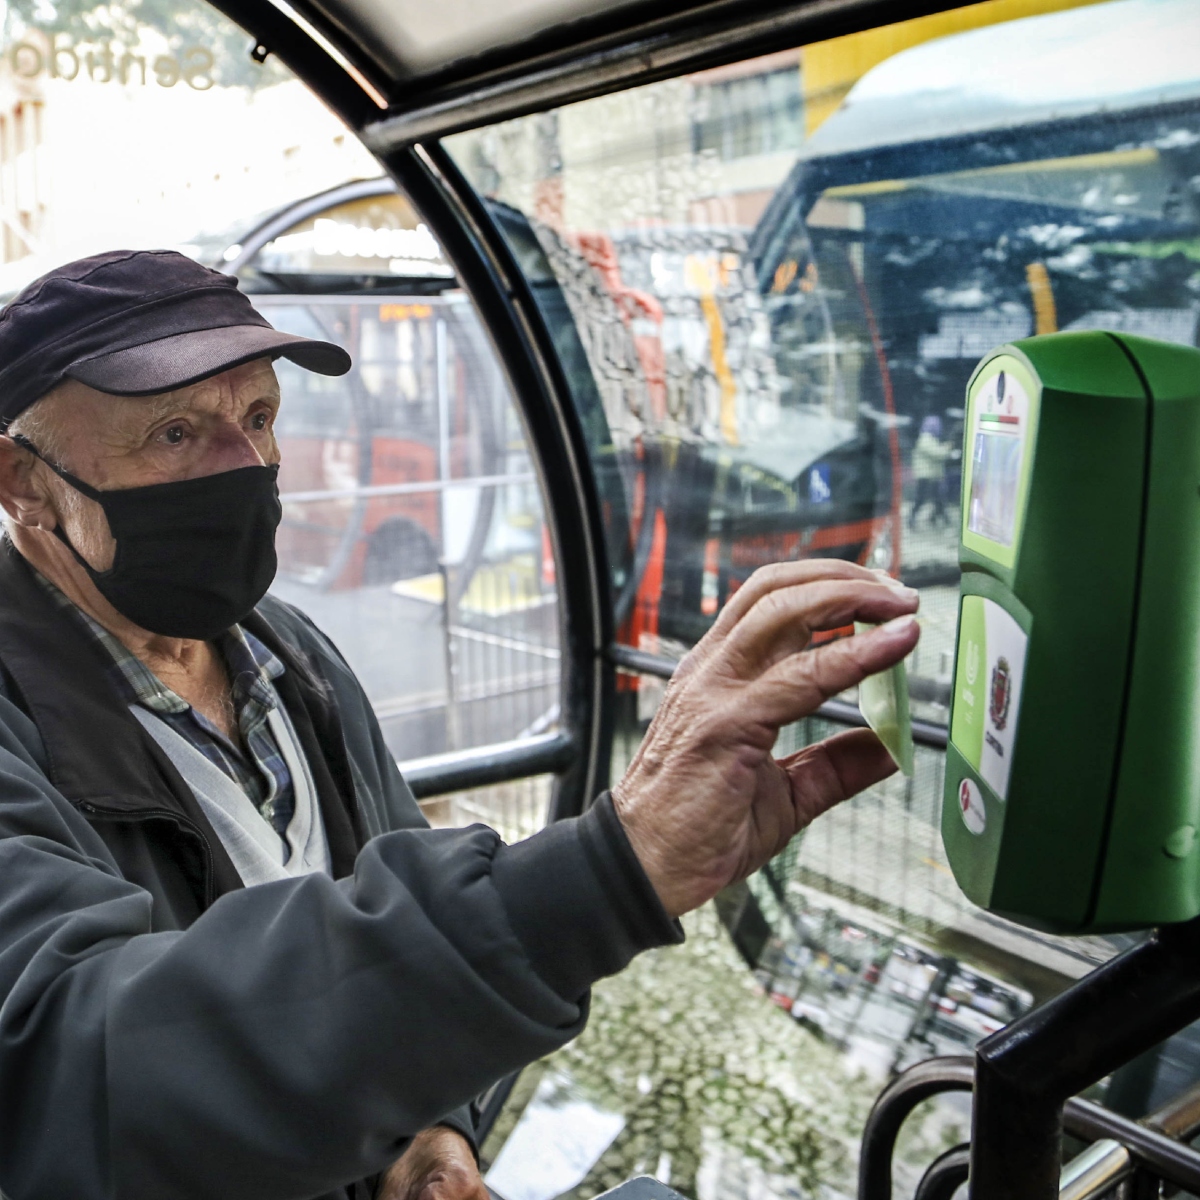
x=85, y=488
x=78, y=484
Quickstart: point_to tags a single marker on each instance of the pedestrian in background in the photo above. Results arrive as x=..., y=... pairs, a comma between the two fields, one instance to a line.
x=930, y=456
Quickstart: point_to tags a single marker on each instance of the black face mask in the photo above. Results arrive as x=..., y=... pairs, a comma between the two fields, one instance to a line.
x=194, y=556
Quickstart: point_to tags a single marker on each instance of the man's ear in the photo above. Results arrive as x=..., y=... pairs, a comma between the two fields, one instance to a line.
x=23, y=493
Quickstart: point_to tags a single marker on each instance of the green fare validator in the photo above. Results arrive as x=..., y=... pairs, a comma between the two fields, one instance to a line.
x=883, y=702
x=1072, y=785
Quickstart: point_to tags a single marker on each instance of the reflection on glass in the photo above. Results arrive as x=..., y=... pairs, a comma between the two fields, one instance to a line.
x=722, y=438
x=366, y=240
x=145, y=125
x=413, y=531
x=768, y=310
x=741, y=113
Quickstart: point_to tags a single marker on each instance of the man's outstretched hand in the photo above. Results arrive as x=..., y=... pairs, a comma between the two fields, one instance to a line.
x=438, y=1165
x=705, y=803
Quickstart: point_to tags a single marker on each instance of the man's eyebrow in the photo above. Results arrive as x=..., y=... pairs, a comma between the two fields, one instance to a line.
x=153, y=409
x=149, y=411
x=158, y=407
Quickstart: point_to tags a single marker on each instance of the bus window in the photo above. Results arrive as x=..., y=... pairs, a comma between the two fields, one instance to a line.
x=774, y=279
x=413, y=527
x=409, y=495
x=413, y=530
x=142, y=126
x=712, y=456
x=369, y=243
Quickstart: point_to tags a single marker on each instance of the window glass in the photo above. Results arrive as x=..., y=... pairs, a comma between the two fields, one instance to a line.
x=147, y=125
x=413, y=528
x=361, y=244
x=514, y=810
x=772, y=282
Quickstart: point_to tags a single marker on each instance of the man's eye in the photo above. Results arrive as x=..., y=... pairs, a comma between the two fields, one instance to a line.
x=173, y=435
x=258, y=421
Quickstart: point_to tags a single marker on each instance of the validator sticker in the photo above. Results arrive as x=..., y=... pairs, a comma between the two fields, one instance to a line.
x=883, y=702
x=970, y=804
x=987, y=691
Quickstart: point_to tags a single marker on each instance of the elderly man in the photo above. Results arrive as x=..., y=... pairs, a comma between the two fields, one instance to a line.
x=234, y=963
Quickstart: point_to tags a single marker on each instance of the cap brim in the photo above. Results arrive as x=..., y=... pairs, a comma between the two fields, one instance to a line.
x=184, y=358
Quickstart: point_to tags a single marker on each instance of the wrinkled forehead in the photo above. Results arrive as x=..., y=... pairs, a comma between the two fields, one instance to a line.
x=79, y=407
x=255, y=380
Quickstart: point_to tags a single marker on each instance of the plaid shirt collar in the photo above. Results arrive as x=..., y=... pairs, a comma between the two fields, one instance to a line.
x=252, y=758
x=251, y=665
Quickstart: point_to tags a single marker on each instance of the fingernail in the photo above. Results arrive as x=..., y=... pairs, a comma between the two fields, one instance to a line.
x=899, y=624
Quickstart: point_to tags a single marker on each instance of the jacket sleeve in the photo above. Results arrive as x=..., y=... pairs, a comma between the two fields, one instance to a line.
x=298, y=1032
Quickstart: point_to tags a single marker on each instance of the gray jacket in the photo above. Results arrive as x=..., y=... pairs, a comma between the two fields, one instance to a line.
x=166, y=1033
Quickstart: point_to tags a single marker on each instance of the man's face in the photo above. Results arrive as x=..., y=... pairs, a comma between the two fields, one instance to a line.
x=220, y=424
x=217, y=425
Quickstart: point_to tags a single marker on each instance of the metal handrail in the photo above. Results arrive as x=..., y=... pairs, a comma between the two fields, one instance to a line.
x=1108, y=1162
x=1099, y=1168
x=640, y=662
x=1126, y=1144
x=1026, y=1071
x=1179, y=1117
x=895, y=1103
x=1170, y=1160
x=483, y=766
x=945, y=1175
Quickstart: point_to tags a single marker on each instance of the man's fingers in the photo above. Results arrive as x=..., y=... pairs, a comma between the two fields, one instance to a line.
x=769, y=579
x=834, y=770
x=793, y=688
x=784, y=575
x=782, y=621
